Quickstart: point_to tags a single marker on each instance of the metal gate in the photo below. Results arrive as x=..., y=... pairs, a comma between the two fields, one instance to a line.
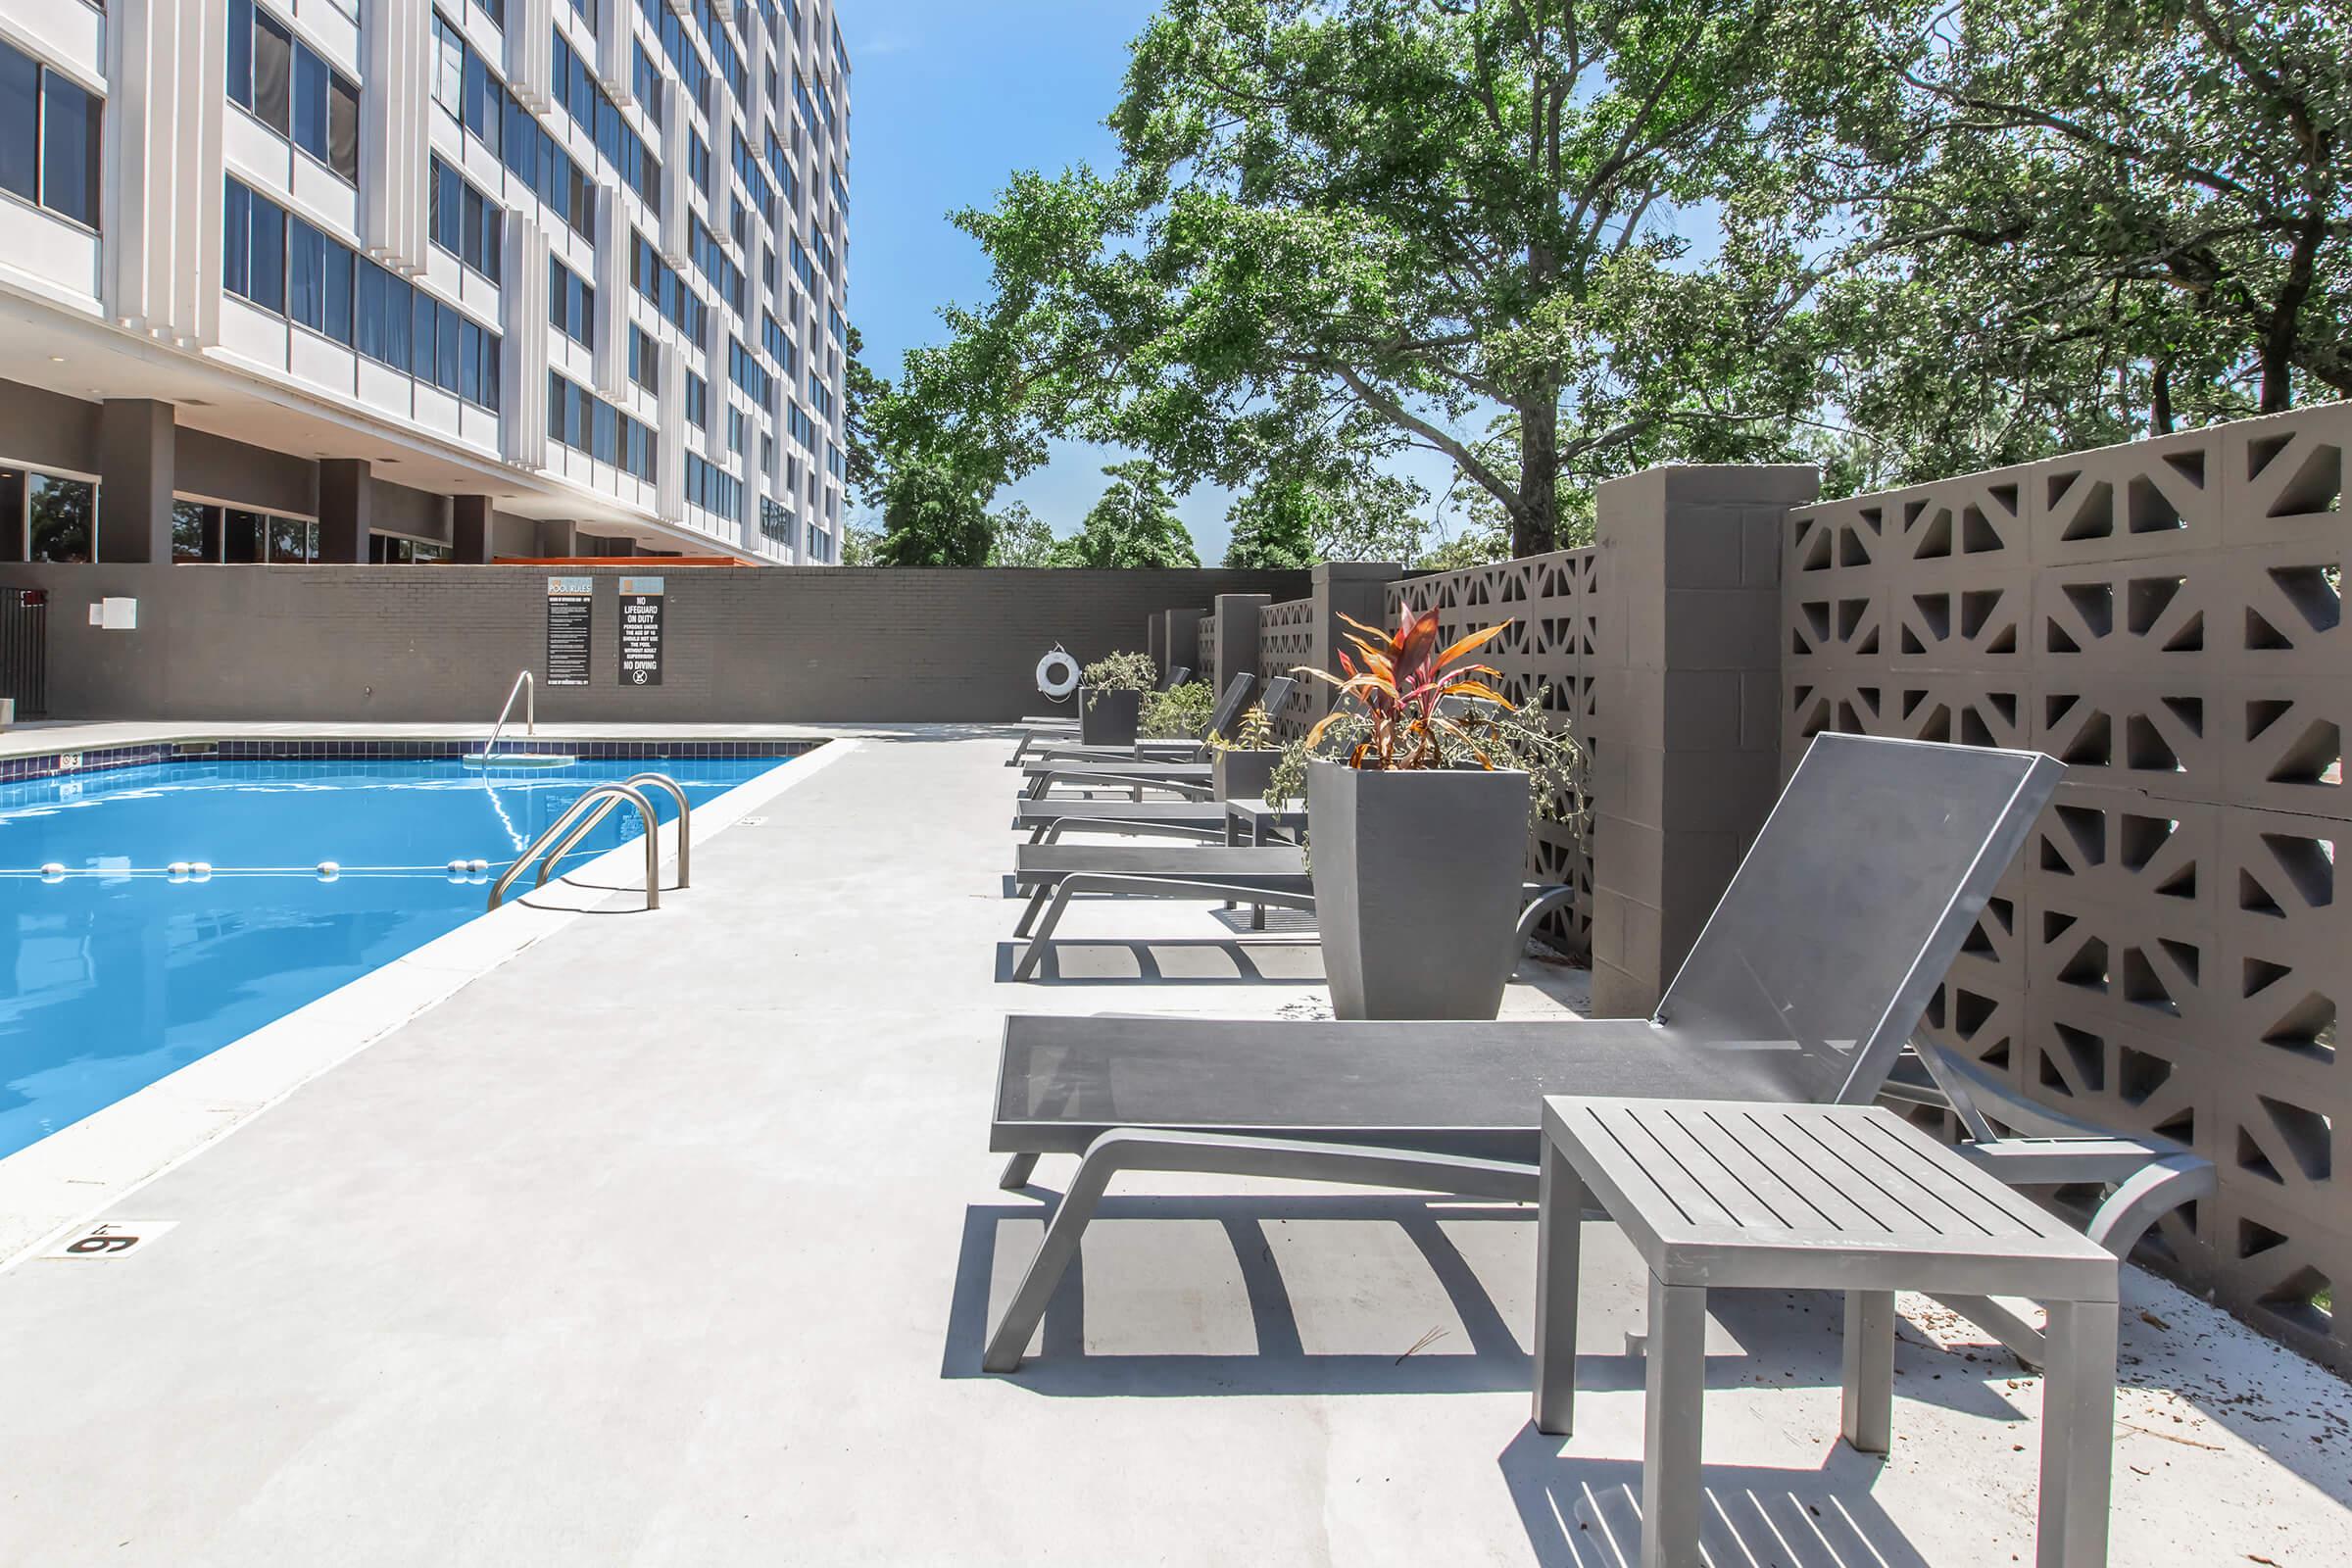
x=25, y=650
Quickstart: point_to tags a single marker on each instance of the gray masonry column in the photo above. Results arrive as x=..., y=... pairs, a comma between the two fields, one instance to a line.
x=1237, y=634
x=346, y=509
x=137, y=447
x=1180, y=635
x=1687, y=675
x=469, y=531
x=1357, y=588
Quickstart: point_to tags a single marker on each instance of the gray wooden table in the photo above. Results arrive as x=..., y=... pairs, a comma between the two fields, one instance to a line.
x=1851, y=1197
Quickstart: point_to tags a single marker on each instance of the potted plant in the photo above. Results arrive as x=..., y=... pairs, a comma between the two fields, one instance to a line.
x=1111, y=698
x=1419, y=785
x=1179, y=713
x=1243, y=766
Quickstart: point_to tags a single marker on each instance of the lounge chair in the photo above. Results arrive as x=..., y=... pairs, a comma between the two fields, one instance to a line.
x=1220, y=720
x=1804, y=986
x=1262, y=876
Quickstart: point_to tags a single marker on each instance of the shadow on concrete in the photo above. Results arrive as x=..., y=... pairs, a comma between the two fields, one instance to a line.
x=1167, y=961
x=1788, y=1338
x=1586, y=1512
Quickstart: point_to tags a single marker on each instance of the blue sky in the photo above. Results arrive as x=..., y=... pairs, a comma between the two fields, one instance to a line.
x=949, y=98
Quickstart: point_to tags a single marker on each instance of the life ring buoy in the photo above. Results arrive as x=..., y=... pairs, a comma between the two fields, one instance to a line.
x=1057, y=674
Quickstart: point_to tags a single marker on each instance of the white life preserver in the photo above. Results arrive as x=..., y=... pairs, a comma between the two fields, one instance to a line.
x=1057, y=674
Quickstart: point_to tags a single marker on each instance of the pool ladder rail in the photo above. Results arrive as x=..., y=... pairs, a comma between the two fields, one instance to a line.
x=580, y=818
x=528, y=690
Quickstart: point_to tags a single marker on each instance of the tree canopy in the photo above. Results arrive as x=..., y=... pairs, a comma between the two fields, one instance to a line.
x=1134, y=525
x=1559, y=240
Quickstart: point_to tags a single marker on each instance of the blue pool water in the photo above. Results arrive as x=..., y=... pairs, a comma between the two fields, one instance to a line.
x=115, y=974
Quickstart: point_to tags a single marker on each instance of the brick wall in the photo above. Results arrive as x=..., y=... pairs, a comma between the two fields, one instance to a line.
x=438, y=643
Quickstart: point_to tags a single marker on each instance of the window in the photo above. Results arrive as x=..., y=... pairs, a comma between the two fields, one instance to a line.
x=61, y=520
x=292, y=90
x=578, y=419
x=464, y=221
x=645, y=359
x=49, y=137
x=570, y=304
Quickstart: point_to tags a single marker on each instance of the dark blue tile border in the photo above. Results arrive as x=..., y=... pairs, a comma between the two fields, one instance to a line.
x=18, y=769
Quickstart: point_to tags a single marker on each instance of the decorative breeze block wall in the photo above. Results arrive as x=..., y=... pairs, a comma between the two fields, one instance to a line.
x=2169, y=955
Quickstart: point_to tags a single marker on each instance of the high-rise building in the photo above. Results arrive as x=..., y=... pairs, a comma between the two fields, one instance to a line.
x=421, y=280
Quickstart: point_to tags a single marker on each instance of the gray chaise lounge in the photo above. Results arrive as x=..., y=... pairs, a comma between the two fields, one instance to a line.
x=1805, y=985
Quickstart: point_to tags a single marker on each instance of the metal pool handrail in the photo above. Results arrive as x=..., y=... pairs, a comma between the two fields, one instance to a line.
x=587, y=825
x=578, y=809
x=528, y=690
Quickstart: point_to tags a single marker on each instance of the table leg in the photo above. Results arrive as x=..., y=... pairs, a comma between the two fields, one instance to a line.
x=1672, y=1494
x=2078, y=1436
x=1559, y=1241
x=1868, y=1407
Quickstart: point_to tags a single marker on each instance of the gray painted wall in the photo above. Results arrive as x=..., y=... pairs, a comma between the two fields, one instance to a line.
x=438, y=643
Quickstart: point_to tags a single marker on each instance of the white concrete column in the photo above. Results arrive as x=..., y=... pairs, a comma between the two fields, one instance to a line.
x=613, y=35
x=677, y=210
x=165, y=60
x=611, y=293
x=669, y=465
x=523, y=426
x=530, y=34
x=395, y=93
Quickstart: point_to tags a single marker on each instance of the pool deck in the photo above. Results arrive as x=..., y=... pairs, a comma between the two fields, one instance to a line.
x=672, y=1240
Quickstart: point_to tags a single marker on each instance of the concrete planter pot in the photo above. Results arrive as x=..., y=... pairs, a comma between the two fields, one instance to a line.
x=1108, y=717
x=1417, y=876
x=1243, y=774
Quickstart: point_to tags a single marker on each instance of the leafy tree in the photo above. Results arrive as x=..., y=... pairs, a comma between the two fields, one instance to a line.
x=932, y=515
x=1134, y=525
x=862, y=390
x=2075, y=222
x=1022, y=538
x=1396, y=214
x=1350, y=511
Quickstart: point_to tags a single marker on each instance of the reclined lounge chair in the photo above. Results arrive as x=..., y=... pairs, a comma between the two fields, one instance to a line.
x=1804, y=986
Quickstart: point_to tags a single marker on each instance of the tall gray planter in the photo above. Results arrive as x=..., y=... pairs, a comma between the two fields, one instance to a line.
x=1108, y=717
x=1417, y=876
x=1242, y=774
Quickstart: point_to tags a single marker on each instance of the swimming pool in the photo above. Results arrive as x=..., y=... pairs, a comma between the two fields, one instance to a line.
x=119, y=971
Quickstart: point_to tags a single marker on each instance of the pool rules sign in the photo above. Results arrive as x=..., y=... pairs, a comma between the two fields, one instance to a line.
x=641, y=631
x=570, y=602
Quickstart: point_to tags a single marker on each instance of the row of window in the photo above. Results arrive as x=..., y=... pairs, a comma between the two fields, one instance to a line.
x=711, y=487
x=660, y=282
x=580, y=419
x=464, y=221
x=464, y=85
x=283, y=265
x=291, y=89
x=711, y=258
x=747, y=372
x=598, y=115
x=49, y=138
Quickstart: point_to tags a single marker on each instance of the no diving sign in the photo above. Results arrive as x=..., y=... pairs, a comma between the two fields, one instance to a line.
x=641, y=631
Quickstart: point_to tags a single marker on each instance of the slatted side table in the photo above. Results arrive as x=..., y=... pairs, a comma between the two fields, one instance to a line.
x=1851, y=1197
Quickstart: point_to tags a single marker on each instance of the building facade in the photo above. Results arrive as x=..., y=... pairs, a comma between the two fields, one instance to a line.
x=422, y=280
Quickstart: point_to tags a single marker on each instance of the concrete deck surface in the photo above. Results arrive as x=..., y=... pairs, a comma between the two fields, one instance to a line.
x=672, y=1241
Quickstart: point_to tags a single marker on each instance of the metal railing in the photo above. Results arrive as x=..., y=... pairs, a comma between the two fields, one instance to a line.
x=528, y=690
x=590, y=800
x=587, y=825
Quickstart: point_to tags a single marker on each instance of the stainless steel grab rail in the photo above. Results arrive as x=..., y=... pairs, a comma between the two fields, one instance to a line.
x=587, y=825
x=588, y=799
x=528, y=689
